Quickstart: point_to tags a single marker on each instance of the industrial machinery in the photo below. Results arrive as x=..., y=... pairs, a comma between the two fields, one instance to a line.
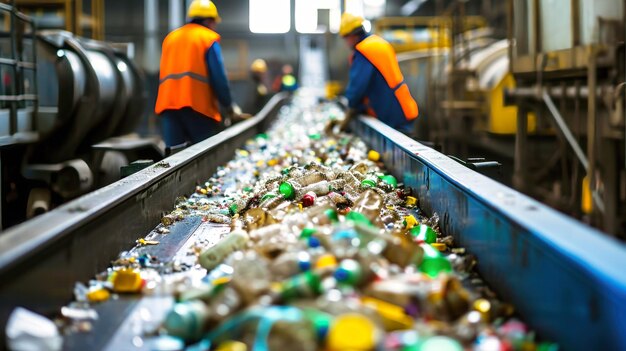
x=82, y=93
x=525, y=100
x=521, y=245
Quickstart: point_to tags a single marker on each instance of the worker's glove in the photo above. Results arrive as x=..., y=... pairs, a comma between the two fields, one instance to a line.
x=330, y=126
x=343, y=124
x=350, y=114
x=234, y=115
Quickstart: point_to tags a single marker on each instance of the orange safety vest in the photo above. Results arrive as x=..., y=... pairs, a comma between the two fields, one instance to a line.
x=184, y=77
x=381, y=54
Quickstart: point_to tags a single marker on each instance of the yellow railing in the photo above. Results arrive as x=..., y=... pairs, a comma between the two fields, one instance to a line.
x=438, y=30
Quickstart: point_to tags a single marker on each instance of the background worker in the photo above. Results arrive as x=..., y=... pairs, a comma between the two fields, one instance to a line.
x=286, y=81
x=376, y=85
x=192, y=79
x=258, y=72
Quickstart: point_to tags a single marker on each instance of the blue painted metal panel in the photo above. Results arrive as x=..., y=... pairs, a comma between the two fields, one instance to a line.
x=566, y=279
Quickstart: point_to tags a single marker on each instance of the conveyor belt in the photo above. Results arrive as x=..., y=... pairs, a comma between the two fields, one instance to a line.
x=565, y=278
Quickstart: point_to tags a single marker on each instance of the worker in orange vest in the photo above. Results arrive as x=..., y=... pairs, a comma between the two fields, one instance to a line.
x=192, y=79
x=376, y=85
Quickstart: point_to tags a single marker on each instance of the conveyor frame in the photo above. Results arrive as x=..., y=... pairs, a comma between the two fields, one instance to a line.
x=566, y=279
x=533, y=256
x=42, y=259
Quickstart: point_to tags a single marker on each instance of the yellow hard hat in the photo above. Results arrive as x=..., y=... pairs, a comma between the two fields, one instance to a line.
x=258, y=66
x=349, y=23
x=203, y=9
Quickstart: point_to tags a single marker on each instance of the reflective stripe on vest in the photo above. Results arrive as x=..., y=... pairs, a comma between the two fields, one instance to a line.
x=184, y=76
x=381, y=54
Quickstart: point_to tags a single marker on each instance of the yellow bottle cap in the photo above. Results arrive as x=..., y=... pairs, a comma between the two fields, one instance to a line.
x=98, y=295
x=243, y=153
x=260, y=163
x=373, y=155
x=439, y=246
x=410, y=222
x=127, y=280
x=393, y=316
x=232, y=346
x=483, y=306
x=351, y=331
x=273, y=162
x=326, y=261
x=221, y=280
x=411, y=201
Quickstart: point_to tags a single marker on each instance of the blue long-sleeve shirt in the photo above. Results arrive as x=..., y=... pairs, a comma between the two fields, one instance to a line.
x=367, y=82
x=217, y=74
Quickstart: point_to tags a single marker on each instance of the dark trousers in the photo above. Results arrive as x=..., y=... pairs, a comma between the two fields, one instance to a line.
x=187, y=125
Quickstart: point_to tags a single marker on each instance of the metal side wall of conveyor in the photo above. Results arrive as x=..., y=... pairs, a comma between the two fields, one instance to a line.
x=42, y=259
x=565, y=278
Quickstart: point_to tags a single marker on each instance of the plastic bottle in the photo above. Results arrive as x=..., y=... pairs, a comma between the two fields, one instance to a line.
x=310, y=178
x=433, y=262
x=349, y=272
x=290, y=263
x=187, y=320
x=369, y=203
x=251, y=275
x=307, y=284
x=424, y=233
x=214, y=255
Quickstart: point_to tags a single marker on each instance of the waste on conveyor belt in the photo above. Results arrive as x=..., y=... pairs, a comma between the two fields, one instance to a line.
x=326, y=251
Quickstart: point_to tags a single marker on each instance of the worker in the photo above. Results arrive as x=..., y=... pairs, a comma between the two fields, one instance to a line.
x=192, y=80
x=376, y=85
x=258, y=72
x=286, y=81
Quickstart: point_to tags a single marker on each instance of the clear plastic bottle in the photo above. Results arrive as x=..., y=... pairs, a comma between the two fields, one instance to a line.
x=369, y=203
x=213, y=256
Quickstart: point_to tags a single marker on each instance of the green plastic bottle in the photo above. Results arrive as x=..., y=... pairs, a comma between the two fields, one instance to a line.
x=424, y=233
x=434, y=262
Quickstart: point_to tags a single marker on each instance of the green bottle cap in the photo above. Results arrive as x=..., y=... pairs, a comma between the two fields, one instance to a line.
x=358, y=218
x=424, y=233
x=307, y=232
x=315, y=136
x=332, y=215
x=233, y=209
x=247, y=189
x=368, y=183
x=433, y=262
x=391, y=180
x=262, y=136
x=268, y=196
x=287, y=190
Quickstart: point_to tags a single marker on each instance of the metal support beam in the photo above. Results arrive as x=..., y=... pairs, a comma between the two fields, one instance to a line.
x=177, y=18
x=571, y=140
x=151, y=29
x=521, y=150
